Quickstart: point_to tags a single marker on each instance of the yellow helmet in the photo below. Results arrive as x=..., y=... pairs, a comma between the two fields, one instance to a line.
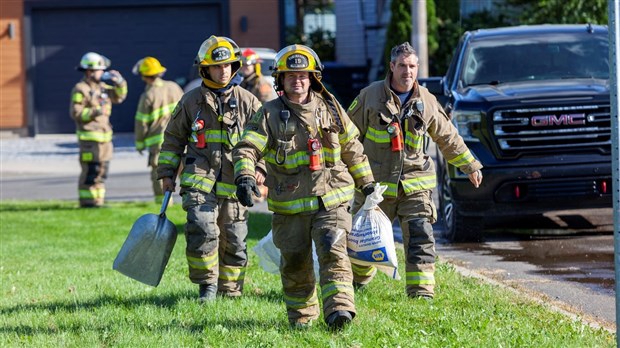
x=218, y=50
x=148, y=66
x=93, y=61
x=298, y=58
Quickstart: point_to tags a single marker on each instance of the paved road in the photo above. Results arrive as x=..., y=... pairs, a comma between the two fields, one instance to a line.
x=575, y=273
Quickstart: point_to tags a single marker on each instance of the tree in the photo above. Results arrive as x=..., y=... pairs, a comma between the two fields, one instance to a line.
x=399, y=28
x=561, y=11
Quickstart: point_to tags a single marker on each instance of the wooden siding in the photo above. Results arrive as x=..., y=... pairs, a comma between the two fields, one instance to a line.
x=12, y=74
x=263, y=24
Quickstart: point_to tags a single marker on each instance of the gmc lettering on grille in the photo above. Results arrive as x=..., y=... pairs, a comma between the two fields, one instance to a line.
x=558, y=120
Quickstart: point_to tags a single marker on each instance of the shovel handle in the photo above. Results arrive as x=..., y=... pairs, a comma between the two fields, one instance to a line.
x=164, y=204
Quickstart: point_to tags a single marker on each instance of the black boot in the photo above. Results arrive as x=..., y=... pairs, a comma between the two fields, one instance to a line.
x=338, y=319
x=206, y=292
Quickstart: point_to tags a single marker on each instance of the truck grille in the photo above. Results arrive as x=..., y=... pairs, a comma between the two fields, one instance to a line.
x=536, y=130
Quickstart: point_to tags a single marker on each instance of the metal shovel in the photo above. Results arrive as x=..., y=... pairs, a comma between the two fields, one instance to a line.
x=146, y=251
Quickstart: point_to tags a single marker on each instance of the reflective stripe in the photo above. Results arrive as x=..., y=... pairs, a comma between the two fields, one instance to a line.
x=101, y=137
x=331, y=155
x=293, y=159
x=226, y=190
x=140, y=145
x=301, y=302
x=360, y=170
x=308, y=204
x=463, y=159
x=197, y=181
x=392, y=189
x=421, y=183
x=92, y=193
x=363, y=271
x=420, y=278
x=156, y=114
x=85, y=115
x=120, y=90
x=205, y=262
x=243, y=165
x=378, y=136
x=87, y=157
x=231, y=274
x=350, y=133
x=156, y=139
x=257, y=140
x=414, y=140
x=311, y=204
x=77, y=97
x=332, y=288
x=171, y=158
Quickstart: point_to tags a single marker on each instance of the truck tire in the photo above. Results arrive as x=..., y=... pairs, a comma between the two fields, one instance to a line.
x=458, y=227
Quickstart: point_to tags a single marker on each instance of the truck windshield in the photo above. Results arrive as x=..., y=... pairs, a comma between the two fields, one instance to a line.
x=538, y=56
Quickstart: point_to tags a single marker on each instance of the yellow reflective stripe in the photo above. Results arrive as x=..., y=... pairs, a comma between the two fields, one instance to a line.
x=350, y=133
x=205, y=262
x=156, y=114
x=243, y=165
x=360, y=170
x=426, y=182
x=100, y=137
x=197, y=181
x=332, y=288
x=120, y=90
x=140, y=145
x=156, y=139
x=414, y=140
x=259, y=141
x=420, y=278
x=331, y=155
x=392, y=189
x=92, y=193
x=338, y=195
x=377, y=136
x=363, y=271
x=301, y=302
x=87, y=156
x=293, y=160
x=85, y=115
x=77, y=97
x=231, y=274
x=463, y=159
x=308, y=204
x=227, y=190
x=171, y=158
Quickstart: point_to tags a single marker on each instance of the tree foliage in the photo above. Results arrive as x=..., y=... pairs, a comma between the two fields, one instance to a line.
x=561, y=11
x=399, y=27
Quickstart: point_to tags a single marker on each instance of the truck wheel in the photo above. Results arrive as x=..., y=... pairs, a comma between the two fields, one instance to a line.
x=459, y=228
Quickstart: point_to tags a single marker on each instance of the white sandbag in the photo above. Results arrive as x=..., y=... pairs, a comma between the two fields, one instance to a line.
x=269, y=255
x=371, y=241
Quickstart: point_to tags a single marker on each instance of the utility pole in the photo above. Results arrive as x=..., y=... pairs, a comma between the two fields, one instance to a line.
x=419, y=34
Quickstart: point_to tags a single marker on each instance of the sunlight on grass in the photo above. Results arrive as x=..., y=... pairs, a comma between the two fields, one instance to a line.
x=58, y=289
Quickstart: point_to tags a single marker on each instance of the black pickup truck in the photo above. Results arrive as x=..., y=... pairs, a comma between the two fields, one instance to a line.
x=532, y=103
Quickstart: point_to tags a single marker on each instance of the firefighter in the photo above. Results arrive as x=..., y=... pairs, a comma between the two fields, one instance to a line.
x=156, y=104
x=314, y=161
x=206, y=124
x=91, y=107
x=253, y=79
x=395, y=118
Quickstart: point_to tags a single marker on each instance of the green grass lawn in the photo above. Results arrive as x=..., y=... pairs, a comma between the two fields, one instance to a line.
x=58, y=289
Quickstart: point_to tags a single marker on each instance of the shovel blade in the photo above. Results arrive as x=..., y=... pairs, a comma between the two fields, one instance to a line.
x=147, y=249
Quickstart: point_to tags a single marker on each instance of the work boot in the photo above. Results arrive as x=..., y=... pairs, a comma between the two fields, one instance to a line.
x=206, y=292
x=338, y=319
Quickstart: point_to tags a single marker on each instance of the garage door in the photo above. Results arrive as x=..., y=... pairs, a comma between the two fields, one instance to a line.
x=60, y=37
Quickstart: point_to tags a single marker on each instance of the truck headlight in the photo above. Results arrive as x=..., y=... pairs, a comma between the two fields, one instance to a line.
x=467, y=123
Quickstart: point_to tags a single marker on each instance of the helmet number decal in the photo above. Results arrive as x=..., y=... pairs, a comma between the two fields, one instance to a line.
x=221, y=54
x=297, y=61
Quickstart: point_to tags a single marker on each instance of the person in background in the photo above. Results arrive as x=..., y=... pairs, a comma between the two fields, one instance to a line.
x=396, y=117
x=91, y=108
x=253, y=79
x=206, y=124
x=156, y=104
x=314, y=162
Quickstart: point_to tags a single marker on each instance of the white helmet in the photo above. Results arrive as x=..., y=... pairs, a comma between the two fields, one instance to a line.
x=93, y=61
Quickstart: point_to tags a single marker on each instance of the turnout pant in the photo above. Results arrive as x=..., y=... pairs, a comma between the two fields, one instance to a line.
x=95, y=163
x=293, y=235
x=415, y=214
x=216, y=232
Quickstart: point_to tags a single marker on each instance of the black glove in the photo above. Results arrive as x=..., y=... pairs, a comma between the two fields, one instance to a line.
x=368, y=189
x=245, y=186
